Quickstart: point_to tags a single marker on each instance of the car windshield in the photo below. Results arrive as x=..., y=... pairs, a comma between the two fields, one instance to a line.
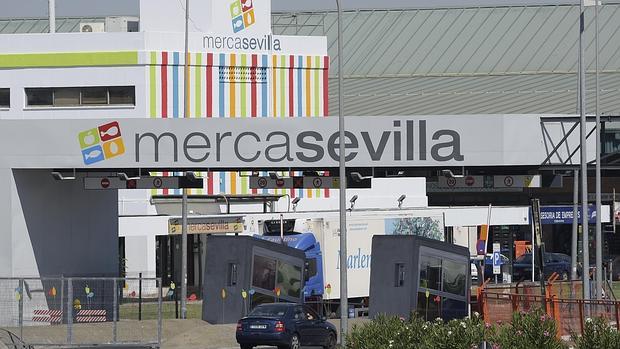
x=526, y=258
x=269, y=310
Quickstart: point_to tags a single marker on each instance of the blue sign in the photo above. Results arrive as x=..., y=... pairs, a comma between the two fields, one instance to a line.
x=497, y=260
x=563, y=214
x=497, y=263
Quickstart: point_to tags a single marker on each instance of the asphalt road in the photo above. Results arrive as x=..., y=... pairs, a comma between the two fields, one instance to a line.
x=176, y=334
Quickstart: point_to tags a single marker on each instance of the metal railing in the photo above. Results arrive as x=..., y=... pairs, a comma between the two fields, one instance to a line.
x=562, y=302
x=82, y=311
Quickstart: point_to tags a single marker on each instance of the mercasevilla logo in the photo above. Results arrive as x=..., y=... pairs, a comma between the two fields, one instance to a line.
x=264, y=43
x=279, y=147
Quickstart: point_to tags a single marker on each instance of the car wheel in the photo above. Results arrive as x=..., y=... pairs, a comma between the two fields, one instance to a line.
x=331, y=342
x=295, y=343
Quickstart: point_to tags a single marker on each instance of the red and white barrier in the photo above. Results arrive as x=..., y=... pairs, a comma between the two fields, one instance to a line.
x=48, y=312
x=91, y=313
x=91, y=316
x=90, y=319
x=51, y=316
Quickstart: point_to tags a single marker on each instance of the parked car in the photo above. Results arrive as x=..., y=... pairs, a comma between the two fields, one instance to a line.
x=554, y=263
x=285, y=325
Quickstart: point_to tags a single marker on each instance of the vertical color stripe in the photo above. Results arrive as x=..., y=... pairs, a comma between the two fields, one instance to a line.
x=209, y=85
x=244, y=183
x=175, y=85
x=326, y=88
x=264, y=174
x=316, y=86
x=308, y=99
x=253, y=104
x=165, y=191
x=265, y=88
x=221, y=92
x=327, y=189
x=283, y=86
x=233, y=183
x=300, y=102
x=210, y=183
x=153, y=85
x=233, y=101
x=291, y=103
x=242, y=86
x=164, y=85
x=186, y=106
x=292, y=173
x=222, y=182
x=198, y=84
x=273, y=84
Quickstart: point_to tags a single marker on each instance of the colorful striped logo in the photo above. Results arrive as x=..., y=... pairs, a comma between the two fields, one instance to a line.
x=239, y=86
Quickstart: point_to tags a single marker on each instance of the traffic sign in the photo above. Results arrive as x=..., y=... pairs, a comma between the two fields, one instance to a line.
x=497, y=259
x=103, y=183
x=270, y=183
x=305, y=182
x=489, y=182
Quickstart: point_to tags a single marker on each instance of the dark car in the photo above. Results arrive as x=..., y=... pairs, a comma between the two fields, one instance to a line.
x=285, y=325
x=554, y=263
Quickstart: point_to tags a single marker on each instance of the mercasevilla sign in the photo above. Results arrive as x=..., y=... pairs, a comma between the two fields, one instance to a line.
x=473, y=140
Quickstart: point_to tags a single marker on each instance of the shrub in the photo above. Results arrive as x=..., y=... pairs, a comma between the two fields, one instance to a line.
x=387, y=332
x=456, y=334
x=597, y=334
x=527, y=330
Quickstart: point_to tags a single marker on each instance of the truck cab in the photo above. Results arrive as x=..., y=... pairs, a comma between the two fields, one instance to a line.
x=284, y=232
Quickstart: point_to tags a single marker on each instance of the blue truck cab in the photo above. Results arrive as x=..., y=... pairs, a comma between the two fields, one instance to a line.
x=314, y=285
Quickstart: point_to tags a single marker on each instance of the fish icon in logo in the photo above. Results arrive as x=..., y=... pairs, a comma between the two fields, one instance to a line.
x=101, y=143
x=242, y=14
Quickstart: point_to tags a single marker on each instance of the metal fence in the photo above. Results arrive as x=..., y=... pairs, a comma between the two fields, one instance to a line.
x=82, y=311
x=562, y=302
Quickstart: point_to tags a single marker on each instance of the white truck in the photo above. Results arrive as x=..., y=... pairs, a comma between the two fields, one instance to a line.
x=318, y=233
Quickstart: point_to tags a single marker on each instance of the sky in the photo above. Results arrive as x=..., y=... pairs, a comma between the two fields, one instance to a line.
x=38, y=8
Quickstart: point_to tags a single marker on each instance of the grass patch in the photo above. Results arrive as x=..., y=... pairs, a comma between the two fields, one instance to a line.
x=615, y=286
x=130, y=311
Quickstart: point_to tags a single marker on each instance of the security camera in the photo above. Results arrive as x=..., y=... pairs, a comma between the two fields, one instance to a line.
x=353, y=199
x=400, y=200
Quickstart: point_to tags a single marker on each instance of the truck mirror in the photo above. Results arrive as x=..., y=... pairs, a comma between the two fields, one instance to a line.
x=306, y=271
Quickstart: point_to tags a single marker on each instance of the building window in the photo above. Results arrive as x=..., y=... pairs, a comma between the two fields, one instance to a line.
x=5, y=98
x=232, y=274
x=399, y=274
x=95, y=96
x=81, y=96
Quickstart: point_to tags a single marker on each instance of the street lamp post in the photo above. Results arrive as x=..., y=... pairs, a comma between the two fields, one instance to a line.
x=584, y=160
x=599, y=234
x=344, y=304
x=184, y=201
